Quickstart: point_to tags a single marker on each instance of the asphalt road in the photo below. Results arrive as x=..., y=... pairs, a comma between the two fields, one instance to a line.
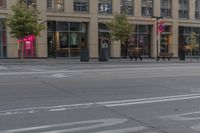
x=100, y=98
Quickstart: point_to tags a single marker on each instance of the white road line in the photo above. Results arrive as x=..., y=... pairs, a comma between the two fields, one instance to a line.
x=153, y=101
x=147, y=99
x=97, y=104
x=59, y=109
x=93, y=125
x=126, y=130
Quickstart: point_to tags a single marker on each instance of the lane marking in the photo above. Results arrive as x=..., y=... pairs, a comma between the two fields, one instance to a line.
x=153, y=101
x=99, y=104
x=191, y=116
x=126, y=130
x=146, y=99
x=183, y=117
x=93, y=125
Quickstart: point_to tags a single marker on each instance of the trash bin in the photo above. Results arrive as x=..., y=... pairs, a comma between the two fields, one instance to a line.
x=103, y=54
x=84, y=55
x=182, y=55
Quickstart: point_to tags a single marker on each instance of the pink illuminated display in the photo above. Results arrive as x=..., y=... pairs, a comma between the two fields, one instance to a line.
x=28, y=48
x=27, y=38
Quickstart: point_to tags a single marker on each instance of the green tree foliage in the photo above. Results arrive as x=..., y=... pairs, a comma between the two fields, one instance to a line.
x=24, y=21
x=120, y=28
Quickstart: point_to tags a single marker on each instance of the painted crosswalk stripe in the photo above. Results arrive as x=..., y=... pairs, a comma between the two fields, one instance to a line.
x=99, y=104
x=91, y=124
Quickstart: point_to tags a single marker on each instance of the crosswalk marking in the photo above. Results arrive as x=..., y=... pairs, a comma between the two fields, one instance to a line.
x=98, y=104
x=93, y=125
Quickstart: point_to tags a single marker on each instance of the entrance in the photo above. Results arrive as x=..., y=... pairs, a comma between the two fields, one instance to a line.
x=2, y=44
x=104, y=42
x=29, y=46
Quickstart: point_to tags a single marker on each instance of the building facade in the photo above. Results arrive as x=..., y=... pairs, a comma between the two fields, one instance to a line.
x=74, y=24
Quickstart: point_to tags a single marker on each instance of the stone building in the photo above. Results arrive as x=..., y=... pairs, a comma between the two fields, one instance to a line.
x=74, y=24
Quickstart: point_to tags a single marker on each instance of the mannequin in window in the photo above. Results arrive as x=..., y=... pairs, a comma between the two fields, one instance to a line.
x=74, y=38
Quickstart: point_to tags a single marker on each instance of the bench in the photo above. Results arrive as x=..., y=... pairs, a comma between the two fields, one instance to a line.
x=165, y=55
x=135, y=53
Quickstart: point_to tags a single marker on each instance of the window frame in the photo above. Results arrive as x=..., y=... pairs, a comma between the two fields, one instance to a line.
x=81, y=8
x=147, y=7
x=105, y=7
x=166, y=11
x=183, y=9
x=129, y=5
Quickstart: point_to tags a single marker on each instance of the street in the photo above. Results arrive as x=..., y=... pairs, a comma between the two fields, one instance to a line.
x=100, y=98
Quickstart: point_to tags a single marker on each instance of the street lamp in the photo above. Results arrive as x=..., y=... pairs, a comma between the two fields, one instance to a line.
x=157, y=18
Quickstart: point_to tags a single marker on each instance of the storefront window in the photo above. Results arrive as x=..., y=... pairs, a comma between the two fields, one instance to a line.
x=127, y=7
x=105, y=6
x=3, y=46
x=81, y=5
x=183, y=8
x=166, y=8
x=147, y=7
x=67, y=38
x=197, y=9
x=189, y=40
x=141, y=39
x=2, y=3
x=55, y=5
x=165, y=39
x=30, y=3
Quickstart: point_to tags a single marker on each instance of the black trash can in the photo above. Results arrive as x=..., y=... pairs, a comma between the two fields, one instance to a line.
x=182, y=55
x=103, y=54
x=84, y=55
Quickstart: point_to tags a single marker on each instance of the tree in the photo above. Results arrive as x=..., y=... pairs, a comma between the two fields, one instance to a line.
x=120, y=29
x=24, y=22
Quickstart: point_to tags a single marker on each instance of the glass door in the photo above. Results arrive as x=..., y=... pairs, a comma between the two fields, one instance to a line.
x=2, y=44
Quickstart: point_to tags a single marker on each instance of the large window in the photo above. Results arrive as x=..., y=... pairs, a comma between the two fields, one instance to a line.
x=197, y=9
x=183, y=8
x=105, y=6
x=127, y=7
x=189, y=41
x=81, y=5
x=147, y=7
x=2, y=3
x=66, y=38
x=3, y=43
x=55, y=5
x=166, y=8
x=30, y=3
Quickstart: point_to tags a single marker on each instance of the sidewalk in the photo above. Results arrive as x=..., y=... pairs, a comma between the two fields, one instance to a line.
x=92, y=61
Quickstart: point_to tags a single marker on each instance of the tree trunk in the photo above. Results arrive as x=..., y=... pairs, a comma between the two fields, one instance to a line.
x=21, y=50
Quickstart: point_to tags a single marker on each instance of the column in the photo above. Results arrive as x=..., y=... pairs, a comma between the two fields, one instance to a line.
x=156, y=7
x=115, y=50
x=137, y=8
x=175, y=9
x=93, y=37
x=153, y=41
x=191, y=9
x=69, y=6
x=116, y=6
x=93, y=7
x=174, y=47
x=41, y=43
x=12, y=45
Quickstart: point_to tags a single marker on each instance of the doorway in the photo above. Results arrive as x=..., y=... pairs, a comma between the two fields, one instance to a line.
x=3, y=44
x=104, y=42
